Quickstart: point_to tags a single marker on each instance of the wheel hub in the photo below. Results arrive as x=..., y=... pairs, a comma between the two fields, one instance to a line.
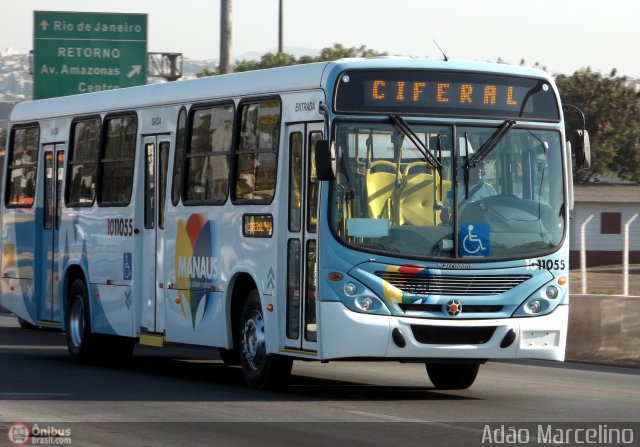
x=76, y=322
x=253, y=340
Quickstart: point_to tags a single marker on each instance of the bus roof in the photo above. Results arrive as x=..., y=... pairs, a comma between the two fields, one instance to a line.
x=251, y=83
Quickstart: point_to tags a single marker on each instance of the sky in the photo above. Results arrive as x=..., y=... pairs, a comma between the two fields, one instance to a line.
x=561, y=35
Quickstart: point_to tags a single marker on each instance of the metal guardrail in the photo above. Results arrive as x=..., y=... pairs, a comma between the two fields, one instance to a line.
x=608, y=280
x=625, y=254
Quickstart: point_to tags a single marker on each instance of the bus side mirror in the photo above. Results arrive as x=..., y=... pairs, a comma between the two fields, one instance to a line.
x=582, y=148
x=325, y=159
x=571, y=199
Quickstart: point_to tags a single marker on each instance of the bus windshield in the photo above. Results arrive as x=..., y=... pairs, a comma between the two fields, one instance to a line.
x=504, y=202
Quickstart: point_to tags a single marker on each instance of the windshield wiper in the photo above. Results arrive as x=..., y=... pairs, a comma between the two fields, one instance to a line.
x=417, y=142
x=473, y=160
x=492, y=142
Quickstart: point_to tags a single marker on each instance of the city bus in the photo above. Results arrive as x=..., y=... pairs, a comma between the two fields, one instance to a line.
x=319, y=212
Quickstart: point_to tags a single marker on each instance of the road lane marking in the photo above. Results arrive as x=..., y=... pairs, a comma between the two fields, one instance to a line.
x=388, y=417
x=24, y=347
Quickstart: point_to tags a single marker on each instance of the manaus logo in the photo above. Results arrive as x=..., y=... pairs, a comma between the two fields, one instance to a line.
x=196, y=264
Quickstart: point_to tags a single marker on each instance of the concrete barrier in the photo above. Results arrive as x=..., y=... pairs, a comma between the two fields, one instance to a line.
x=604, y=329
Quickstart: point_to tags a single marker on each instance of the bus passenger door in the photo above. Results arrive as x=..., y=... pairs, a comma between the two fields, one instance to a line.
x=50, y=308
x=301, y=327
x=156, y=153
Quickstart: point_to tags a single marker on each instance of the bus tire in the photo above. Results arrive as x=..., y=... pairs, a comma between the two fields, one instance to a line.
x=229, y=357
x=452, y=376
x=260, y=370
x=114, y=348
x=80, y=341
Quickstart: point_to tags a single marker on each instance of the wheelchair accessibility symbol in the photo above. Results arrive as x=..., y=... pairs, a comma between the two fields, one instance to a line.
x=127, y=266
x=474, y=240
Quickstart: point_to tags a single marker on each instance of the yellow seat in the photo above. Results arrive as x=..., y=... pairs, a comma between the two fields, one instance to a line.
x=418, y=195
x=380, y=180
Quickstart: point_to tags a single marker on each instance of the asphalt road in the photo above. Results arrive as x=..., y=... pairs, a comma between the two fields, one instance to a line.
x=186, y=397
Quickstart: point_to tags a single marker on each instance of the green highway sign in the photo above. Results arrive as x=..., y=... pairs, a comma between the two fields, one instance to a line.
x=80, y=52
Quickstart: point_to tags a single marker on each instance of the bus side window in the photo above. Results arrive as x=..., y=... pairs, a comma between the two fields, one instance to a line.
x=116, y=163
x=22, y=167
x=312, y=190
x=256, y=156
x=207, y=162
x=163, y=154
x=83, y=162
x=181, y=138
x=295, y=181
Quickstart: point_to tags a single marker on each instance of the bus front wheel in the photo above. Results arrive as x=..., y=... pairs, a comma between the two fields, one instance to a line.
x=260, y=369
x=452, y=376
x=229, y=357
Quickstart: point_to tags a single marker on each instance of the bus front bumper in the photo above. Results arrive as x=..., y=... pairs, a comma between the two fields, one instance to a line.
x=347, y=334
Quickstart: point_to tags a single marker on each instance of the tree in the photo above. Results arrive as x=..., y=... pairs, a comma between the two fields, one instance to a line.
x=612, y=113
x=271, y=60
x=268, y=60
x=337, y=51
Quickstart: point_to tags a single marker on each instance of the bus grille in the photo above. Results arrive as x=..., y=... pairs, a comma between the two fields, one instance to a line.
x=436, y=308
x=441, y=335
x=452, y=285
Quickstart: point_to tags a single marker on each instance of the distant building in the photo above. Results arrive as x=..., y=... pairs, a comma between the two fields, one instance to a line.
x=9, y=52
x=633, y=84
x=610, y=207
x=5, y=111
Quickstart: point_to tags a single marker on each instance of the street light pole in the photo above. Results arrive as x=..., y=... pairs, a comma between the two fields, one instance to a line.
x=280, y=26
x=225, y=36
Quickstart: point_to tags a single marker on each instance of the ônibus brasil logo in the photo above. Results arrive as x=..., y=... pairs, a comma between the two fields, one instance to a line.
x=18, y=434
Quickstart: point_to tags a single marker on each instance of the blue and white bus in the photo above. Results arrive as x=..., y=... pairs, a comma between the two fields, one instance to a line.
x=386, y=209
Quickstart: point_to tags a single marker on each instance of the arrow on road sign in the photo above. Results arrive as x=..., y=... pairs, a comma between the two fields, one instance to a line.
x=135, y=69
x=44, y=25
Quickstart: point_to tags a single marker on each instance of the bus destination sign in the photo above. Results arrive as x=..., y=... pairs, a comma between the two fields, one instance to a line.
x=445, y=93
x=257, y=225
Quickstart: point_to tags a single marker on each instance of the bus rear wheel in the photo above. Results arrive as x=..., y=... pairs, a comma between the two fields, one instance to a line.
x=452, y=376
x=260, y=369
x=80, y=340
x=85, y=346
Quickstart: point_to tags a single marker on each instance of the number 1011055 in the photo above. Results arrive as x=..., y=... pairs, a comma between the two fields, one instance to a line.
x=548, y=264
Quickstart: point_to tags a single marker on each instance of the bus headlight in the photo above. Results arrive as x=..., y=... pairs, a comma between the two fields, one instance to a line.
x=552, y=292
x=534, y=306
x=544, y=301
x=355, y=296
x=362, y=300
x=350, y=289
x=365, y=303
